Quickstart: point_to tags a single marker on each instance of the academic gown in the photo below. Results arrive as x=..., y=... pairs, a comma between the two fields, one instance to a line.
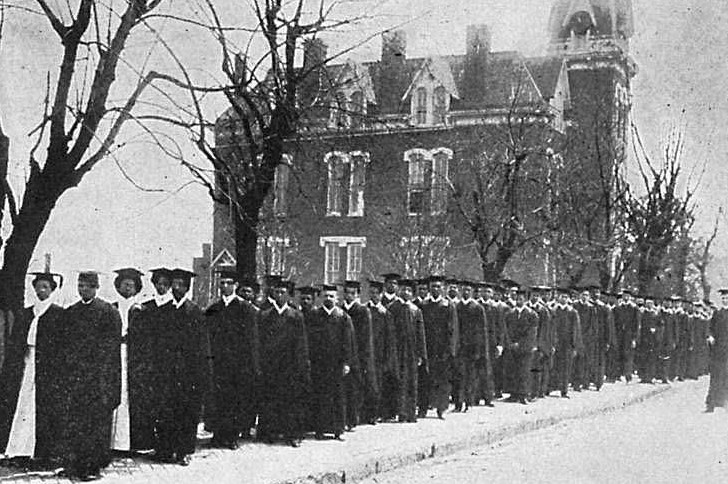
x=411, y=347
x=497, y=336
x=627, y=320
x=386, y=364
x=234, y=344
x=285, y=373
x=329, y=340
x=567, y=341
x=605, y=338
x=145, y=339
x=366, y=391
x=543, y=360
x=718, y=391
x=584, y=361
x=41, y=384
x=182, y=373
x=474, y=350
x=92, y=381
x=652, y=333
x=121, y=428
x=522, y=324
x=442, y=336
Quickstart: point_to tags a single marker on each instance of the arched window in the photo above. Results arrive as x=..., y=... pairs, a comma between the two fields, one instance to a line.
x=335, y=189
x=416, y=167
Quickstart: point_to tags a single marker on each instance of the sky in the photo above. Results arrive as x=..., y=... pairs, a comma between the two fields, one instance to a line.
x=107, y=222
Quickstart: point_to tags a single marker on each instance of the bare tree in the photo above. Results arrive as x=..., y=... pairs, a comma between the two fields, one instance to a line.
x=655, y=219
x=269, y=96
x=78, y=126
x=703, y=256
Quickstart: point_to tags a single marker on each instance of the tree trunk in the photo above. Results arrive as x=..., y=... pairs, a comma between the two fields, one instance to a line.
x=246, y=237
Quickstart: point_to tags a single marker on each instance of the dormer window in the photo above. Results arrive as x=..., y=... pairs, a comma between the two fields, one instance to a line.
x=357, y=108
x=430, y=92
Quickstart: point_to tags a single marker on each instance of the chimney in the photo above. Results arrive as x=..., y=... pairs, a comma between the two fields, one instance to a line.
x=393, y=80
x=478, y=39
x=315, y=52
x=394, y=46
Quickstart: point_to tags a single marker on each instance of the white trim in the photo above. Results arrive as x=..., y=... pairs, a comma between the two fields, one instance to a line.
x=342, y=240
x=364, y=156
x=222, y=253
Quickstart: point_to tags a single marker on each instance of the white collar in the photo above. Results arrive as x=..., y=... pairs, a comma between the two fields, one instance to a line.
x=180, y=303
x=348, y=306
x=126, y=302
x=162, y=299
x=466, y=301
x=327, y=310
x=226, y=300
x=40, y=308
x=378, y=305
x=436, y=300
x=279, y=310
x=86, y=303
x=454, y=299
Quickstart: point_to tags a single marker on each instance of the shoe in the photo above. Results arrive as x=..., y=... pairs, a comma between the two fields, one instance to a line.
x=523, y=401
x=91, y=476
x=439, y=415
x=293, y=443
x=564, y=395
x=709, y=409
x=337, y=436
x=320, y=436
x=183, y=460
x=232, y=445
x=489, y=404
x=163, y=457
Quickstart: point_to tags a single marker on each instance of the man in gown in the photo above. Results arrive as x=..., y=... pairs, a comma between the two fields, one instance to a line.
x=718, y=340
x=285, y=368
x=128, y=284
x=385, y=352
x=91, y=379
x=30, y=410
x=232, y=325
x=182, y=374
x=329, y=331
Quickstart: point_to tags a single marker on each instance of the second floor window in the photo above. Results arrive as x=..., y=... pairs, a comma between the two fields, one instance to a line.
x=357, y=181
x=440, y=105
x=438, y=203
x=280, y=187
x=335, y=190
x=416, y=183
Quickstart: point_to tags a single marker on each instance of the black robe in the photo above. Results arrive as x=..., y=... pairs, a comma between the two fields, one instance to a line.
x=718, y=391
x=285, y=373
x=442, y=331
x=143, y=340
x=181, y=369
x=366, y=391
x=49, y=409
x=92, y=382
x=522, y=327
x=329, y=340
x=567, y=341
x=627, y=321
x=411, y=347
x=386, y=364
x=233, y=336
x=474, y=351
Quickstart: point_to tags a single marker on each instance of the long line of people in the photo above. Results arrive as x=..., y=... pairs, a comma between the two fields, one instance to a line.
x=82, y=383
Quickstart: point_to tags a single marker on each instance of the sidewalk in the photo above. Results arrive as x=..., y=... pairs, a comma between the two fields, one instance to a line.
x=372, y=449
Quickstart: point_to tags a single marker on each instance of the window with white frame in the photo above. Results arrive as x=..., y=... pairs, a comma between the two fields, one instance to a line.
x=334, y=248
x=353, y=261
x=280, y=187
x=358, y=162
x=336, y=165
x=417, y=161
x=440, y=161
x=332, y=262
x=357, y=108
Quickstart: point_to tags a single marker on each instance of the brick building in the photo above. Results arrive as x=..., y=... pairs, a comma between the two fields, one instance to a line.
x=368, y=185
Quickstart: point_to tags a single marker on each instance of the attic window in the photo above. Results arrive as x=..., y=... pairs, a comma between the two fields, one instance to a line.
x=421, y=106
x=440, y=104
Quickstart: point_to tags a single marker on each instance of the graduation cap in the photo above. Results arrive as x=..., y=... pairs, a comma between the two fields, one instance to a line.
x=49, y=277
x=391, y=276
x=328, y=287
x=131, y=273
x=423, y=282
x=308, y=291
x=509, y=283
x=626, y=291
x=436, y=278
x=563, y=290
x=160, y=272
x=451, y=281
x=376, y=284
x=468, y=283
x=90, y=277
x=411, y=283
x=227, y=273
x=273, y=280
x=355, y=284
x=723, y=291
x=248, y=282
x=182, y=274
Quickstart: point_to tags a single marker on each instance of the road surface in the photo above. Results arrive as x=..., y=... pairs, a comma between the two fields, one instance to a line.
x=666, y=439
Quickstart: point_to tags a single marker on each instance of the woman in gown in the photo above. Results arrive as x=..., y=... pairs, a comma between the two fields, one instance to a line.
x=30, y=403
